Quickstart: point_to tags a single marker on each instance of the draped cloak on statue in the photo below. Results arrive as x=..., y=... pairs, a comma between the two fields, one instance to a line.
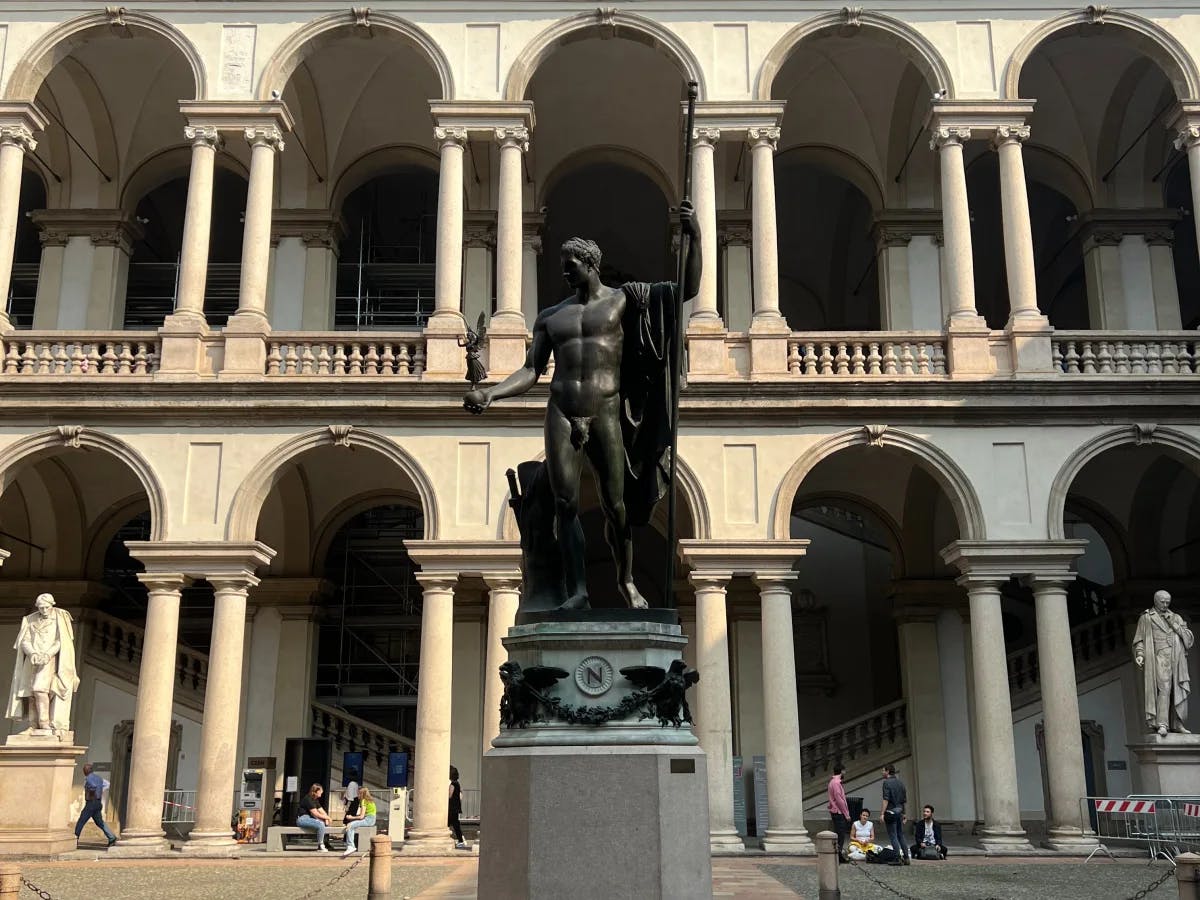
x=1150, y=623
x=59, y=675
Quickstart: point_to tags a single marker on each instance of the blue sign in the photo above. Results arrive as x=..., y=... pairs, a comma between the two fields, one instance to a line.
x=397, y=770
x=352, y=767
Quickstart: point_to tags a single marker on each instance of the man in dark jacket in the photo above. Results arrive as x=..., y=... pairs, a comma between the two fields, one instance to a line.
x=927, y=833
x=895, y=795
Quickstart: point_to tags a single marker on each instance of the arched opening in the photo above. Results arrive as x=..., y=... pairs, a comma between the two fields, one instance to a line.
x=855, y=100
x=27, y=253
x=1057, y=247
x=623, y=211
x=828, y=278
x=1102, y=102
x=385, y=275
x=154, y=266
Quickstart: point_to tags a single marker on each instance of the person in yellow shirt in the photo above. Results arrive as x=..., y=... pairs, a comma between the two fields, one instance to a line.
x=363, y=819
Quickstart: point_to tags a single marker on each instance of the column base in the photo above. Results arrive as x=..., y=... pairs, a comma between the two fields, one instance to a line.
x=1029, y=336
x=445, y=360
x=506, y=345
x=245, y=345
x=725, y=842
x=209, y=843
x=788, y=842
x=707, y=353
x=968, y=346
x=134, y=845
x=769, y=335
x=1005, y=842
x=1071, y=841
x=433, y=842
x=181, y=345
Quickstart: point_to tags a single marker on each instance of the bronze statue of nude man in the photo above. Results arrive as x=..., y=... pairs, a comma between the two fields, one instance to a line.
x=598, y=363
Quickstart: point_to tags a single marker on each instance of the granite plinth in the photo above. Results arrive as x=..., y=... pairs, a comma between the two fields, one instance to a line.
x=1168, y=765
x=37, y=783
x=595, y=823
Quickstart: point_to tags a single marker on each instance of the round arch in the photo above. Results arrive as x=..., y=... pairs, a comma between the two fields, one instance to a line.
x=918, y=49
x=1151, y=39
x=378, y=162
x=1166, y=438
x=936, y=461
x=689, y=487
x=112, y=521
x=862, y=504
x=15, y=456
x=325, y=532
x=166, y=165
x=609, y=154
x=327, y=29
x=54, y=46
x=627, y=25
x=252, y=492
x=841, y=163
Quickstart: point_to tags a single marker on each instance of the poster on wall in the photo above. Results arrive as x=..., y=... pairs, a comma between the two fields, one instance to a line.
x=761, y=824
x=352, y=767
x=739, y=797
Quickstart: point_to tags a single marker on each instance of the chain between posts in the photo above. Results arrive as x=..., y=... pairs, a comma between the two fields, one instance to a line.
x=1140, y=895
x=332, y=881
x=26, y=883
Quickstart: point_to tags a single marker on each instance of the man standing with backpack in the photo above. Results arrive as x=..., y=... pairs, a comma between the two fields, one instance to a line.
x=895, y=795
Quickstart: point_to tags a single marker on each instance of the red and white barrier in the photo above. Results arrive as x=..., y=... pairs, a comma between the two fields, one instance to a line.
x=1125, y=806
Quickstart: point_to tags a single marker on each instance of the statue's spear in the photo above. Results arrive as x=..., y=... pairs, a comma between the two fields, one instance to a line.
x=677, y=348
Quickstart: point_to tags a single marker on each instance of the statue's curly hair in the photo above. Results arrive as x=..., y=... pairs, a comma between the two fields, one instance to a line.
x=582, y=249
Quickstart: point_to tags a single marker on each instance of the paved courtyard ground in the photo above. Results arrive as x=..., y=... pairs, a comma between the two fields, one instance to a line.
x=760, y=878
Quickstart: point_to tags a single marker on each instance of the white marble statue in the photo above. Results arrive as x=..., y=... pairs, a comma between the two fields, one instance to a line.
x=44, y=678
x=1164, y=637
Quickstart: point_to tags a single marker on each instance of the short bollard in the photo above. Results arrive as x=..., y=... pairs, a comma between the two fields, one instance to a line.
x=380, y=883
x=1187, y=870
x=827, y=867
x=10, y=880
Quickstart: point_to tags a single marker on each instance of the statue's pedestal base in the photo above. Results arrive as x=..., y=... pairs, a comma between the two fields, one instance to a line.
x=37, y=784
x=602, y=811
x=1169, y=765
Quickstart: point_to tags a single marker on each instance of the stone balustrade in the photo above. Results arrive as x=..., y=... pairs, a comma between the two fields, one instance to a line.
x=1097, y=645
x=337, y=354
x=56, y=353
x=882, y=733
x=350, y=733
x=1126, y=353
x=116, y=646
x=898, y=354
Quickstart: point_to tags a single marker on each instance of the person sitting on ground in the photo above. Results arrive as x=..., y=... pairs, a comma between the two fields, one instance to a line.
x=312, y=815
x=862, y=838
x=364, y=818
x=927, y=833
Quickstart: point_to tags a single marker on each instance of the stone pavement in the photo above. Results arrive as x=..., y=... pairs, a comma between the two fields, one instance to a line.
x=754, y=877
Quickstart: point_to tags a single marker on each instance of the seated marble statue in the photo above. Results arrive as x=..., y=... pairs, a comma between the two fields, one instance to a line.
x=44, y=677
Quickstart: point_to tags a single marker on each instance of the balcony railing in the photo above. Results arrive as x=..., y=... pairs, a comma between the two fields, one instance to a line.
x=1127, y=352
x=867, y=354
x=335, y=355
x=57, y=353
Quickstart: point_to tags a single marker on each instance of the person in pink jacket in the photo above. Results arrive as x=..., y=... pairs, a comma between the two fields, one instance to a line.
x=839, y=811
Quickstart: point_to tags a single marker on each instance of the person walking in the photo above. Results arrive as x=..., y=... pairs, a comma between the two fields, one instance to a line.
x=455, y=810
x=895, y=795
x=93, y=804
x=839, y=810
x=364, y=818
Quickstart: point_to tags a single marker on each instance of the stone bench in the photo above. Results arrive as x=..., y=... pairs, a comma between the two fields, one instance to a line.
x=277, y=836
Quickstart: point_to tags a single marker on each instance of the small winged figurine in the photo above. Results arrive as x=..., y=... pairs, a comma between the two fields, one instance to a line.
x=668, y=689
x=473, y=343
x=522, y=692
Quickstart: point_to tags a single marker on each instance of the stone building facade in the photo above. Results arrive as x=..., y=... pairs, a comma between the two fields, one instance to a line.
x=939, y=437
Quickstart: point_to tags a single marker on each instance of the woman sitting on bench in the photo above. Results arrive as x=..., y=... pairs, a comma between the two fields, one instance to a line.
x=312, y=815
x=364, y=818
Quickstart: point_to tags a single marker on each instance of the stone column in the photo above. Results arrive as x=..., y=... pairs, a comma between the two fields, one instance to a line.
x=956, y=221
x=444, y=358
x=245, y=333
x=152, y=714
x=997, y=769
x=504, y=592
x=531, y=250
x=197, y=222
x=510, y=225
x=768, y=329
x=433, y=709
x=1068, y=830
x=735, y=237
x=786, y=833
x=714, y=709
x=704, y=196
x=1188, y=139
x=222, y=708
x=15, y=142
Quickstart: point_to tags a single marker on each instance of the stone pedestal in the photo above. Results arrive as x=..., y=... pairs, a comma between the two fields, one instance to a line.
x=1169, y=765
x=37, y=784
x=601, y=811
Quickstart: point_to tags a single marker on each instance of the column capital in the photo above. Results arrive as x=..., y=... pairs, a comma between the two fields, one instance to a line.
x=237, y=115
x=953, y=122
x=105, y=227
x=20, y=120
x=479, y=229
x=503, y=580
x=774, y=580
x=897, y=227
x=264, y=136
x=710, y=579
x=163, y=581
x=437, y=581
x=513, y=136
x=19, y=136
x=450, y=135
x=315, y=227
x=948, y=136
x=1009, y=134
x=203, y=136
x=1184, y=122
x=706, y=135
x=227, y=582
x=767, y=136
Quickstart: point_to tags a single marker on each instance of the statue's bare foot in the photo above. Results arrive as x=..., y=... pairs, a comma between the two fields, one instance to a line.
x=579, y=601
x=633, y=598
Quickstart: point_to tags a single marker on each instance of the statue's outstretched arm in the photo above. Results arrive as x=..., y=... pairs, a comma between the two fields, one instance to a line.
x=519, y=381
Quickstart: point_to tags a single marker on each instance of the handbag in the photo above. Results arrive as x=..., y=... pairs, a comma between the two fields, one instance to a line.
x=929, y=851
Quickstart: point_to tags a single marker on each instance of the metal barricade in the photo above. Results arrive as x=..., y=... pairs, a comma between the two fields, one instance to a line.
x=1165, y=826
